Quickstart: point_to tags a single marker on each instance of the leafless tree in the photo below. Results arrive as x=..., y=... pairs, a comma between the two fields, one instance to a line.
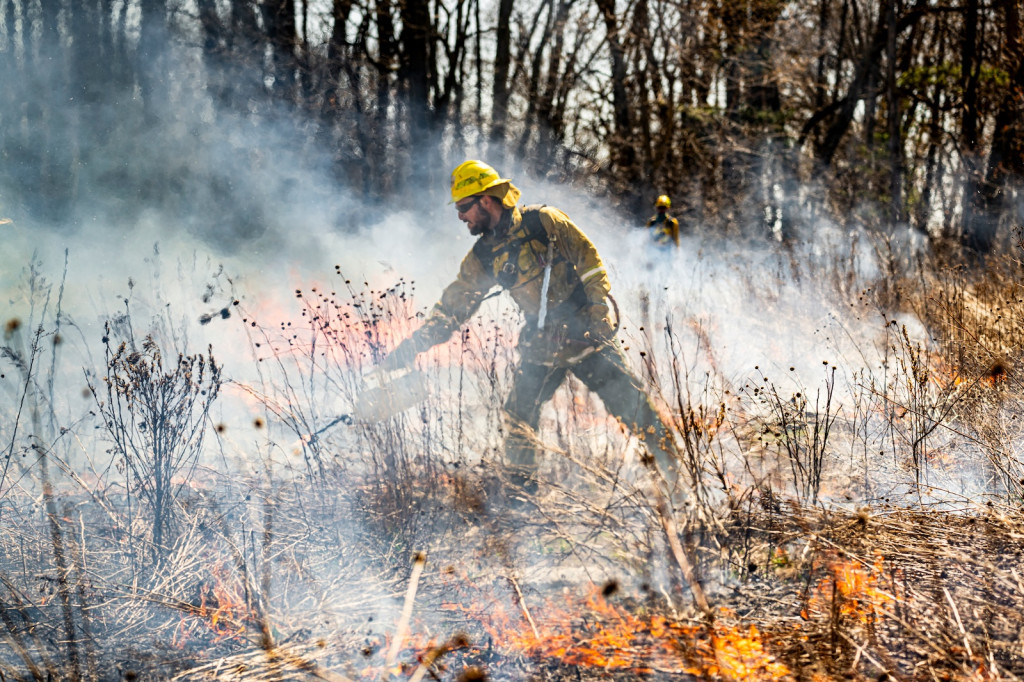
x=892, y=112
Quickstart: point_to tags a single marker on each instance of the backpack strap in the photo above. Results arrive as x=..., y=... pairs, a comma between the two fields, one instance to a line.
x=534, y=232
x=534, y=228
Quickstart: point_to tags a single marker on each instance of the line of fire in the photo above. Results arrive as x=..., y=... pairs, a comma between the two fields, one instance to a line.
x=511, y=340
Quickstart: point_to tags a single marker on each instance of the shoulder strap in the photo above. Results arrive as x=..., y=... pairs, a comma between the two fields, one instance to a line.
x=534, y=232
x=534, y=227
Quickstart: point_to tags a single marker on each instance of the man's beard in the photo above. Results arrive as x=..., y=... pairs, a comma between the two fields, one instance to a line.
x=481, y=227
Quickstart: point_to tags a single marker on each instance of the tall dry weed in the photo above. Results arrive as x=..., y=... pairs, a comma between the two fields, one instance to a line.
x=157, y=417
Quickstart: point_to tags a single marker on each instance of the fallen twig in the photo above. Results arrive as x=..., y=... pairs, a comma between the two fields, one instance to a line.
x=522, y=605
x=403, y=623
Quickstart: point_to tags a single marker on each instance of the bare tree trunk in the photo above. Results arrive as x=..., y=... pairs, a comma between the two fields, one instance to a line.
x=977, y=231
x=337, y=46
x=893, y=112
x=841, y=112
x=449, y=102
x=213, y=49
x=622, y=150
x=935, y=107
x=820, y=82
x=387, y=59
x=448, y=94
x=535, y=119
x=9, y=113
x=479, y=62
x=305, y=59
x=733, y=14
x=550, y=107
x=243, y=77
x=89, y=122
x=647, y=89
x=50, y=158
x=414, y=62
x=151, y=58
x=282, y=33
x=736, y=158
x=414, y=78
x=87, y=69
x=750, y=156
x=1006, y=156
x=499, y=91
x=213, y=29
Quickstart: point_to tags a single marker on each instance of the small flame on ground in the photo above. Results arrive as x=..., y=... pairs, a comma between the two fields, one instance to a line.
x=597, y=634
x=222, y=611
x=852, y=588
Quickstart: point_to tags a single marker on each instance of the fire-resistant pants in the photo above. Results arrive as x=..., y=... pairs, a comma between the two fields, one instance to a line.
x=603, y=372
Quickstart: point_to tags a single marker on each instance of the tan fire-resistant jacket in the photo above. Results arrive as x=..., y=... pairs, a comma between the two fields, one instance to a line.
x=578, y=287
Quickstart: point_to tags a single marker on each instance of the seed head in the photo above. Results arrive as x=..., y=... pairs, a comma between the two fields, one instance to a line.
x=13, y=325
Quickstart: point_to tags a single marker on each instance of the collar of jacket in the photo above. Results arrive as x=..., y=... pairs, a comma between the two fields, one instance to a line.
x=509, y=224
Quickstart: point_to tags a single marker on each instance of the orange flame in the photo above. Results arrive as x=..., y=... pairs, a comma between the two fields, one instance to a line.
x=940, y=373
x=222, y=610
x=853, y=589
x=943, y=375
x=223, y=605
x=597, y=634
x=742, y=656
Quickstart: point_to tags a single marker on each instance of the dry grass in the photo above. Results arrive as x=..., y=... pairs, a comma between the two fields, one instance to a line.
x=862, y=525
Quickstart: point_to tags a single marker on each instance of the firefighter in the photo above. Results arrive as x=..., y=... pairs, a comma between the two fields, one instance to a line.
x=555, y=275
x=664, y=228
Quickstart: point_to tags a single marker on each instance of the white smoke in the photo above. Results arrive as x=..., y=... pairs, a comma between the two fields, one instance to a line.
x=255, y=213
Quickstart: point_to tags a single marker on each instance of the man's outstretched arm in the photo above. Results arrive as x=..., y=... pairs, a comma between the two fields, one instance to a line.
x=459, y=301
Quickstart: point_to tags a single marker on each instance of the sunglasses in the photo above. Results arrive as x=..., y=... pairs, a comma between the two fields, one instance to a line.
x=464, y=208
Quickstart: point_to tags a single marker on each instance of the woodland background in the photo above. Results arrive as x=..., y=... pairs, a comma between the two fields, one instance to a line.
x=756, y=116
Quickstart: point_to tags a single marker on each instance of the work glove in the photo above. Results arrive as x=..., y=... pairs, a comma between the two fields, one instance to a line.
x=560, y=348
x=599, y=326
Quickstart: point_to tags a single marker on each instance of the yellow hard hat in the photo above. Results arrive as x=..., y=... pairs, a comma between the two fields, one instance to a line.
x=473, y=177
x=663, y=200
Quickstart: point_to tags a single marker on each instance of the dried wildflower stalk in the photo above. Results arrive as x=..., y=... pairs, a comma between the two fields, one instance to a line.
x=157, y=417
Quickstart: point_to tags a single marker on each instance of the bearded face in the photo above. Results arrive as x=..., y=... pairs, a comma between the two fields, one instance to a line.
x=472, y=212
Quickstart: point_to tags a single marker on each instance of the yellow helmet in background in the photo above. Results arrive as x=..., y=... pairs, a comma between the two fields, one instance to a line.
x=663, y=201
x=473, y=177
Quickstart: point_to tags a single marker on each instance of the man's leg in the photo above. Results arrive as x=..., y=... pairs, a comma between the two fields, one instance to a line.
x=606, y=374
x=532, y=387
